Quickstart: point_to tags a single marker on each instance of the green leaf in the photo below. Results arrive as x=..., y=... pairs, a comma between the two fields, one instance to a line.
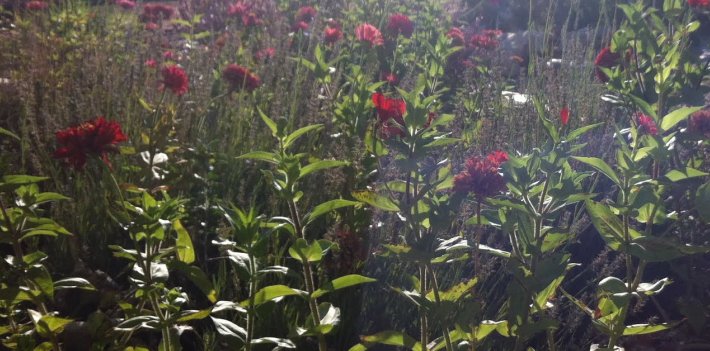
x=670, y=120
x=198, y=277
x=393, y=338
x=261, y=156
x=327, y=207
x=375, y=200
x=228, y=328
x=6, y=132
x=492, y=251
x=639, y=329
x=185, y=251
x=194, y=315
x=656, y=249
x=321, y=165
x=269, y=123
x=581, y=131
x=601, y=166
x=677, y=175
x=607, y=224
x=291, y=138
x=40, y=276
x=15, y=295
x=285, y=343
x=49, y=325
x=73, y=283
x=702, y=202
x=271, y=292
x=456, y=292
x=487, y=327
x=301, y=250
x=340, y=283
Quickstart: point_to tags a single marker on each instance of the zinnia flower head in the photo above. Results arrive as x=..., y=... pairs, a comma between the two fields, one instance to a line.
x=306, y=14
x=175, y=79
x=251, y=19
x=607, y=59
x=36, y=5
x=156, y=12
x=265, y=54
x=390, y=115
x=646, y=124
x=389, y=77
x=151, y=26
x=332, y=34
x=481, y=176
x=484, y=41
x=700, y=122
x=400, y=24
x=126, y=4
x=456, y=35
x=300, y=26
x=367, y=33
x=240, y=77
x=238, y=9
x=96, y=137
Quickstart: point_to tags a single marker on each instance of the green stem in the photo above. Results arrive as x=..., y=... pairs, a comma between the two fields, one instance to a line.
x=437, y=298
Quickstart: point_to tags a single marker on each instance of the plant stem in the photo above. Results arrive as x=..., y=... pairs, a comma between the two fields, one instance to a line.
x=437, y=298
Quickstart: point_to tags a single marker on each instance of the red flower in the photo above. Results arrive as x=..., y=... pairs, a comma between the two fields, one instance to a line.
x=390, y=115
x=332, y=34
x=240, y=77
x=96, y=137
x=126, y=4
x=168, y=55
x=265, y=54
x=400, y=24
x=238, y=9
x=368, y=33
x=700, y=4
x=700, y=122
x=456, y=35
x=607, y=59
x=646, y=124
x=481, y=176
x=156, y=12
x=564, y=116
x=36, y=5
x=175, y=79
x=151, y=63
x=251, y=19
x=305, y=14
x=300, y=26
x=483, y=41
x=389, y=77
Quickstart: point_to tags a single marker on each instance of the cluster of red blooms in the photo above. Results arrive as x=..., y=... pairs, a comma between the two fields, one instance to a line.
x=703, y=4
x=36, y=5
x=155, y=12
x=646, y=124
x=564, y=116
x=389, y=77
x=481, y=176
x=486, y=40
x=607, y=59
x=700, y=122
x=400, y=24
x=245, y=12
x=390, y=115
x=457, y=36
x=240, y=78
x=265, y=54
x=175, y=79
x=332, y=32
x=96, y=137
x=303, y=18
x=367, y=33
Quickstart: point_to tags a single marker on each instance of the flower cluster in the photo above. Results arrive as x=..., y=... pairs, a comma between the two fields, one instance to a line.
x=126, y=4
x=646, y=124
x=96, y=137
x=175, y=79
x=400, y=24
x=607, y=59
x=457, y=36
x=240, y=78
x=486, y=40
x=390, y=115
x=245, y=12
x=36, y=5
x=700, y=122
x=367, y=33
x=154, y=12
x=306, y=14
x=481, y=176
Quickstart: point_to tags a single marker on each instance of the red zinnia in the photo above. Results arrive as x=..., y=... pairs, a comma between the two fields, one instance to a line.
x=400, y=24
x=481, y=176
x=155, y=12
x=389, y=77
x=390, y=115
x=456, y=35
x=251, y=19
x=265, y=54
x=300, y=26
x=151, y=26
x=36, y=5
x=368, y=33
x=96, y=137
x=332, y=35
x=240, y=77
x=305, y=14
x=607, y=59
x=238, y=9
x=175, y=79
x=700, y=122
x=646, y=124
x=564, y=116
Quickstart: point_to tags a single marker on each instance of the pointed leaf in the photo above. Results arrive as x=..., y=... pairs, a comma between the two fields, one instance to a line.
x=185, y=251
x=601, y=166
x=291, y=138
x=271, y=292
x=327, y=207
x=321, y=165
x=340, y=283
x=670, y=120
x=375, y=200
